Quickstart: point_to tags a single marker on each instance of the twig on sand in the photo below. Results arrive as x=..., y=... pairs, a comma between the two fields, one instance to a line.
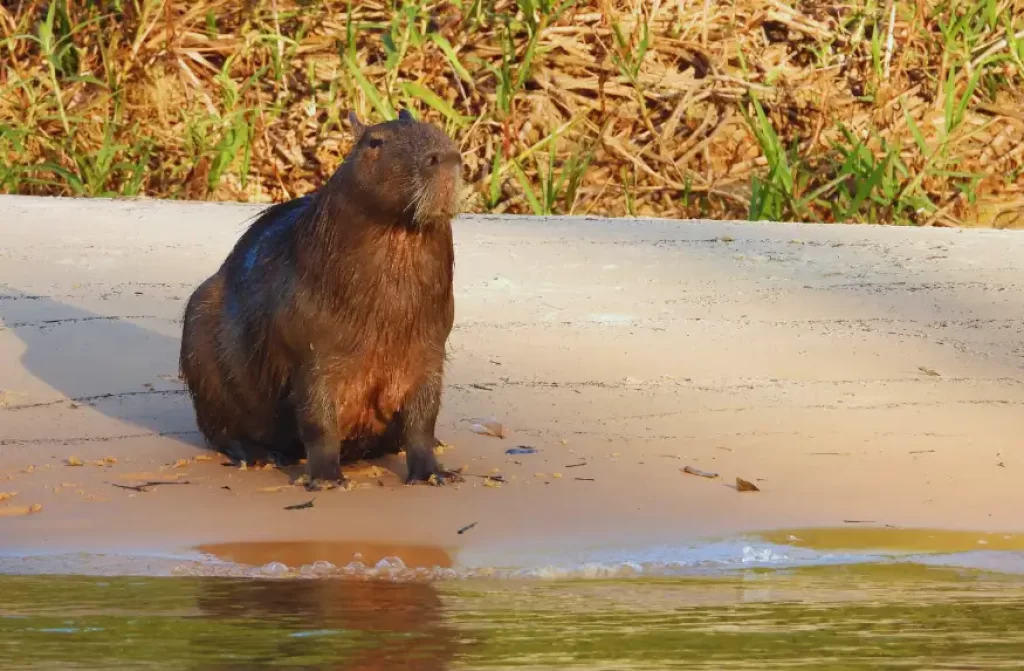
x=466, y=528
x=495, y=478
x=144, y=487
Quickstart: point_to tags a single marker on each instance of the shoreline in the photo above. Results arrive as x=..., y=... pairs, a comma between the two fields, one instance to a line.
x=872, y=375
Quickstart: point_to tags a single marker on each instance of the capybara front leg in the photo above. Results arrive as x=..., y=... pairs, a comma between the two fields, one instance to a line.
x=318, y=430
x=419, y=418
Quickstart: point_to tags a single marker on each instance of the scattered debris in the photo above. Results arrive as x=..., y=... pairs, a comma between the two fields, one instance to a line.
x=493, y=482
x=301, y=506
x=699, y=473
x=277, y=488
x=744, y=486
x=556, y=475
x=73, y=461
x=181, y=463
x=105, y=461
x=466, y=528
x=368, y=471
x=453, y=475
x=225, y=487
x=585, y=479
x=582, y=463
x=921, y=451
x=859, y=521
x=202, y=457
x=522, y=449
x=487, y=426
x=7, y=496
x=928, y=371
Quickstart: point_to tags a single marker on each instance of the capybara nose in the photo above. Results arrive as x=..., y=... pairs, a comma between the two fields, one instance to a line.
x=450, y=158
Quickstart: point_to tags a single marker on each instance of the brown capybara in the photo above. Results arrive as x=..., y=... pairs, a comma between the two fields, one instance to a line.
x=323, y=333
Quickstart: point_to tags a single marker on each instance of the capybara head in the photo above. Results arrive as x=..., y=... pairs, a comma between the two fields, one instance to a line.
x=404, y=170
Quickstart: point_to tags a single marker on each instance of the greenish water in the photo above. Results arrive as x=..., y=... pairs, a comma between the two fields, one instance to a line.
x=863, y=616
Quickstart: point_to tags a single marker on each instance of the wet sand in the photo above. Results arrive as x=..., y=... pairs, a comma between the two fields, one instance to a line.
x=859, y=376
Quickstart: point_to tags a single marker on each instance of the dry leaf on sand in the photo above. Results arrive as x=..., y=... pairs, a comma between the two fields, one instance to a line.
x=487, y=426
x=744, y=486
x=19, y=511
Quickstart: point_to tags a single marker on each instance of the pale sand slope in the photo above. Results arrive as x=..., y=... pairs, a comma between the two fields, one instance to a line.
x=790, y=355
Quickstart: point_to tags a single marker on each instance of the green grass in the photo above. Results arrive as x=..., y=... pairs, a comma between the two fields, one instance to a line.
x=856, y=114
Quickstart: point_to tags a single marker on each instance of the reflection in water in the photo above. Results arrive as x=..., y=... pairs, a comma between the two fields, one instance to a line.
x=371, y=624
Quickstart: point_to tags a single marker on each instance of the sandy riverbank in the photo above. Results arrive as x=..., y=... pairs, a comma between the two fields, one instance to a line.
x=852, y=373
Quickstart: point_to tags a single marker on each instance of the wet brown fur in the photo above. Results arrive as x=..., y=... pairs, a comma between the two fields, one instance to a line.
x=323, y=333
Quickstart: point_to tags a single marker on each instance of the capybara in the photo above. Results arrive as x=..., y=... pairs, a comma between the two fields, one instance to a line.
x=323, y=333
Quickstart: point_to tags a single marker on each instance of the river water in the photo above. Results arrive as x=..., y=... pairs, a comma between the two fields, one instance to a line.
x=789, y=600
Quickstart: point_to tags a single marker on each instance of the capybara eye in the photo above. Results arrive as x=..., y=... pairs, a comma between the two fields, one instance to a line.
x=376, y=143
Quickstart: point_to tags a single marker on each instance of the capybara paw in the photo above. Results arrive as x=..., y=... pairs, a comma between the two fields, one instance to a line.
x=323, y=484
x=424, y=468
x=436, y=478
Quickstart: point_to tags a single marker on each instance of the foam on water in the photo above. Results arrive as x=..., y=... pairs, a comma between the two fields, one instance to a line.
x=595, y=564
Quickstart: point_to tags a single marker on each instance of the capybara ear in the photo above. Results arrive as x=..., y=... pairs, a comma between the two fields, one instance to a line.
x=357, y=126
x=404, y=115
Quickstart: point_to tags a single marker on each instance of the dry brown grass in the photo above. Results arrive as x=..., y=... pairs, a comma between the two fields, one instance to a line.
x=897, y=113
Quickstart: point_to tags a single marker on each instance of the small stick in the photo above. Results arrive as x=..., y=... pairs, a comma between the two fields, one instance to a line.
x=152, y=483
x=300, y=506
x=582, y=463
x=466, y=528
x=496, y=478
x=585, y=479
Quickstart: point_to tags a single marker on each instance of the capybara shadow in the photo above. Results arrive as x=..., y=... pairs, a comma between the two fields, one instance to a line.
x=323, y=334
x=114, y=364
x=356, y=625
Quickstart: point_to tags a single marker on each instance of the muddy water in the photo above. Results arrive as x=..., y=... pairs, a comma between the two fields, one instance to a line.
x=809, y=599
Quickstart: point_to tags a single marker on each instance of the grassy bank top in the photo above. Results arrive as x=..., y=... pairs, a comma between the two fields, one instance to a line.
x=892, y=112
